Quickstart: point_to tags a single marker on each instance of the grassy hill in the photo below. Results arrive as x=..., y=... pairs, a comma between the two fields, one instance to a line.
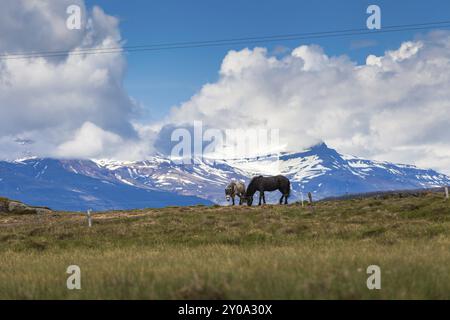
x=271, y=252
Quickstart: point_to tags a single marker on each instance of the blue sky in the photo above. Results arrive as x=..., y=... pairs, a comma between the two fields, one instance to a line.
x=163, y=79
x=395, y=107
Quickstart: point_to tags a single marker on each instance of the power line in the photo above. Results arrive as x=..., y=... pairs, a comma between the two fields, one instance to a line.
x=180, y=45
x=430, y=24
x=224, y=42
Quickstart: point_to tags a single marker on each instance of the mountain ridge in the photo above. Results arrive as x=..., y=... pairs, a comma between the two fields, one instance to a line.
x=158, y=181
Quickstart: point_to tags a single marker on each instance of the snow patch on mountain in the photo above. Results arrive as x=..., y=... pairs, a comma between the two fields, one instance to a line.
x=319, y=170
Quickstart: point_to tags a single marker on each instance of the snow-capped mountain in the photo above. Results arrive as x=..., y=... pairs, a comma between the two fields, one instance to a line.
x=158, y=181
x=58, y=185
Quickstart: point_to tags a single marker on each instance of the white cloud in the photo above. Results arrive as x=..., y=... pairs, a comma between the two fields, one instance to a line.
x=313, y=57
x=51, y=100
x=92, y=142
x=89, y=141
x=395, y=107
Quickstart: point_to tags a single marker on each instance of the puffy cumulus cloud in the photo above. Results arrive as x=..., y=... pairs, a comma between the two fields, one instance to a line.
x=395, y=107
x=89, y=141
x=92, y=142
x=312, y=56
x=58, y=103
x=36, y=25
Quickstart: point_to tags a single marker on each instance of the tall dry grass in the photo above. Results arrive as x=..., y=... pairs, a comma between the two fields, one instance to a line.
x=274, y=252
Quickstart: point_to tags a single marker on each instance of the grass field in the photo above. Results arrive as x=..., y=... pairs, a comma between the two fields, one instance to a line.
x=270, y=252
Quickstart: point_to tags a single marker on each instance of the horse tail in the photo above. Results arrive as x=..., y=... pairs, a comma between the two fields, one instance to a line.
x=289, y=188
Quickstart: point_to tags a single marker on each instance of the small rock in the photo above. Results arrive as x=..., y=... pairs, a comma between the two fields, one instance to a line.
x=16, y=207
x=43, y=210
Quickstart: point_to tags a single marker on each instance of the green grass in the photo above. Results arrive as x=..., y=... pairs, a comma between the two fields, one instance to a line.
x=271, y=252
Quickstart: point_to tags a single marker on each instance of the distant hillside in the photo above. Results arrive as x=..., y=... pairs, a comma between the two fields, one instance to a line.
x=48, y=182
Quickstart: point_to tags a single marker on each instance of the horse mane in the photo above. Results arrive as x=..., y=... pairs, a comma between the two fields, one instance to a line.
x=233, y=184
x=251, y=189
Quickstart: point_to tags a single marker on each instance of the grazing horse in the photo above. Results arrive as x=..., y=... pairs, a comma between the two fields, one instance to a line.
x=263, y=184
x=235, y=189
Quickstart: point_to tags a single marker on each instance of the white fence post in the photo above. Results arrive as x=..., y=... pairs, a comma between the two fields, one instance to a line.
x=89, y=217
x=446, y=192
x=310, y=198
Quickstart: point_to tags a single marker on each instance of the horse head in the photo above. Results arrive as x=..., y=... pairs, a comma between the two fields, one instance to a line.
x=246, y=198
x=229, y=191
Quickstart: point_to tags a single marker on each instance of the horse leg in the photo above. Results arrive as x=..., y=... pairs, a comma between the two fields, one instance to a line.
x=285, y=198
x=264, y=198
x=240, y=200
x=260, y=197
x=281, y=199
x=232, y=198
